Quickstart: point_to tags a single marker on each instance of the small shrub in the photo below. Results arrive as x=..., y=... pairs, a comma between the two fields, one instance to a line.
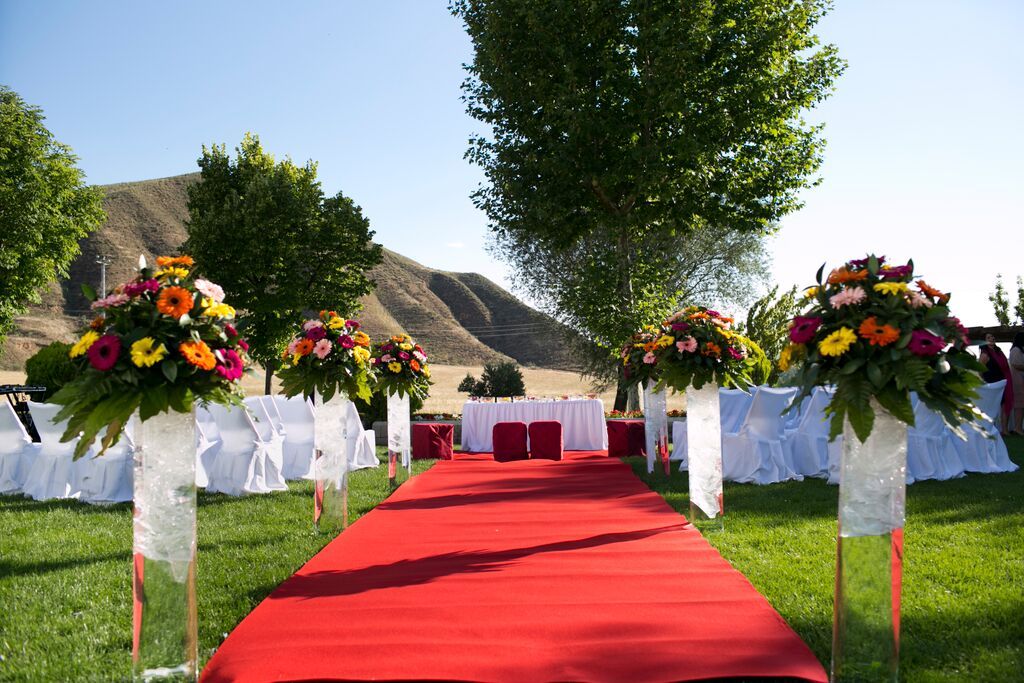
x=50, y=367
x=503, y=379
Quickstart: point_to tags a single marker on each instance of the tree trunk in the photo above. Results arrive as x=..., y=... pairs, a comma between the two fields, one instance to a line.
x=269, y=368
x=621, y=396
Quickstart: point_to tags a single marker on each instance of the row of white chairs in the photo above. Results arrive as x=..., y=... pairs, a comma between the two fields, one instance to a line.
x=237, y=452
x=762, y=445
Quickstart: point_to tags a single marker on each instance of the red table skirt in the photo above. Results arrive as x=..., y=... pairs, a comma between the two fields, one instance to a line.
x=432, y=440
x=626, y=437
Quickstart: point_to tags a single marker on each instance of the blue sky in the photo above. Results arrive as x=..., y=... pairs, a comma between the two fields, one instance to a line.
x=924, y=128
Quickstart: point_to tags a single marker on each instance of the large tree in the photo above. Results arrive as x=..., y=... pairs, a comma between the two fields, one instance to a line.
x=266, y=233
x=629, y=123
x=45, y=207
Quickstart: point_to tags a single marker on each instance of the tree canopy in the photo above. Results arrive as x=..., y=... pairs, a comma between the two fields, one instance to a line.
x=617, y=127
x=266, y=233
x=45, y=207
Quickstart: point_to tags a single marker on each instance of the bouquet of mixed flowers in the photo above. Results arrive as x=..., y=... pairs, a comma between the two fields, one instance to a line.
x=639, y=361
x=697, y=345
x=329, y=355
x=161, y=341
x=402, y=367
x=876, y=331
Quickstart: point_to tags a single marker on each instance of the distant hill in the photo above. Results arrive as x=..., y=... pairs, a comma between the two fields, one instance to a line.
x=460, y=318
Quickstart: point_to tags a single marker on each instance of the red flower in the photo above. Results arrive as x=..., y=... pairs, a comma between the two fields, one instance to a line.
x=924, y=343
x=352, y=324
x=230, y=366
x=104, y=351
x=803, y=328
x=316, y=333
x=346, y=341
x=244, y=345
x=230, y=329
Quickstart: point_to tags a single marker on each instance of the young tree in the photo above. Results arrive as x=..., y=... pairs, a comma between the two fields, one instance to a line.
x=264, y=231
x=45, y=207
x=503, y=379
x=767, y=324
x=1000, y=302
x=627, y=124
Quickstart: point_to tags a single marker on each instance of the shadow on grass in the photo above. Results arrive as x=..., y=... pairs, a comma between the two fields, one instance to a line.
x=23, y=504
x=8, y=568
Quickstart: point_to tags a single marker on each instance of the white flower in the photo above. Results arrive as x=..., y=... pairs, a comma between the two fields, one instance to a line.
x=185, y=320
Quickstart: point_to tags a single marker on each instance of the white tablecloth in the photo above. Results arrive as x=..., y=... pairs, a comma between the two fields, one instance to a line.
x=583, y=426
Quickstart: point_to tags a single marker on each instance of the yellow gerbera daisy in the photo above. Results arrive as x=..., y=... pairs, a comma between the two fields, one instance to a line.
x=395, y=366
x=145, y=353
x=837, y=343
x=666, y=341
x=406, y=346
x=891, y=288
x=426, y=372
x=83, y=344
x=212, y=309
x=336, y=323
x=811, y=292
x=787, y=355
x=361, y=354
x=164, y=273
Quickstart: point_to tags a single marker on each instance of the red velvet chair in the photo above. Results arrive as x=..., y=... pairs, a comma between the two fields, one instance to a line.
x=432, y=440
x=626, y=437
x=509, y=440
x=546, y=440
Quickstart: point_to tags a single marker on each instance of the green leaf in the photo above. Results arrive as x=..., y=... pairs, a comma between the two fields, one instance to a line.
x=170, y=369
x=89, y=292
x=862, y=419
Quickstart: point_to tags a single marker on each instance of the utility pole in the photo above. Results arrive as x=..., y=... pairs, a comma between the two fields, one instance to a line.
x=103, y=262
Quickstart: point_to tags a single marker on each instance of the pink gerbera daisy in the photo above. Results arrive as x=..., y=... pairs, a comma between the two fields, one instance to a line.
x=853, y=295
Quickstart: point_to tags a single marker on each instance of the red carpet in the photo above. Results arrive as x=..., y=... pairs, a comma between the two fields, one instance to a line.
x=523, y=571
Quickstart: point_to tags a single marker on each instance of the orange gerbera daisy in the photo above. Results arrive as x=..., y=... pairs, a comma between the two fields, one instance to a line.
x=174, y=301
x=198, y=354
x=876, y=333
x=170, y=261
x=931, y=291
x=649, y=346
x=712, y=349
x=361, y=339
x=304, y=347
x=842, y=275
x=415, y=365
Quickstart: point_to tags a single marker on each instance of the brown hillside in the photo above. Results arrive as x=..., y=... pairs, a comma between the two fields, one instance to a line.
x=461, y=318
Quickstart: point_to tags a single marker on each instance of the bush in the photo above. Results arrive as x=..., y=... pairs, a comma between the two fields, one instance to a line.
x=468, y=384
x=50, y=367
x=503, y=379
x=377, y=409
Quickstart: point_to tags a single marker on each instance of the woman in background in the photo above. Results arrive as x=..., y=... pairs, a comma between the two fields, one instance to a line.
x=997, y=368
x=1017, y=373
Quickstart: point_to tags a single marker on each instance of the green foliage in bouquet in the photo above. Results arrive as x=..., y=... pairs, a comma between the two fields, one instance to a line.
x=874, y=331
x=639, y=363
x=402, y=367
x=697, y=345
x=160, y=342
x=329, y=356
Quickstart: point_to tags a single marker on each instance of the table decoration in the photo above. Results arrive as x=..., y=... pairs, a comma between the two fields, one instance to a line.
x=159, y=344
x=697, y=352
x=402, y=372
x=329, y=361
x=876, y=333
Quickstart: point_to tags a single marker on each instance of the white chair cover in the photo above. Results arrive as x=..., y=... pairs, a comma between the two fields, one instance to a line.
x=985, y=452
x=930, y=453
x=298, y=424
x=51, y=472
x=756, y=454
x=679, y=444
x=273, y=441
x=15, y=450
x=808, y=451
x=362, y=450
x=107, y=478
x=238, y=465
x=734, y=404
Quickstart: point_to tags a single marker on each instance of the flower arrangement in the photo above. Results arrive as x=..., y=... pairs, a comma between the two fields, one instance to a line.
x=329, y=355
x=698, y=345
x=624, y=414
x=639, y=360
x=878, y=331
x=160, y=342
x=402, y=367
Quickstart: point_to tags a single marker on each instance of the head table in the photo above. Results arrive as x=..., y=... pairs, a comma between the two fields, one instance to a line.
x=583, y=425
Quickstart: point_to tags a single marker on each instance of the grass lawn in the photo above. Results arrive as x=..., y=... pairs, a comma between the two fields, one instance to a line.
x=66, y=601
x=963, y=565
x=65, y=584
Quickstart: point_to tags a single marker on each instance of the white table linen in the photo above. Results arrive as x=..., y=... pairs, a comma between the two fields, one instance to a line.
x=583, y=422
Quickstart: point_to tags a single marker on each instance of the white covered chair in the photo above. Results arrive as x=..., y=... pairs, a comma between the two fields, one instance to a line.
x=756, y=453
x=985, y=452
x=930, y=453
x=361, y=445
x=107, y=478
x=16, y=448
x=808, y=450
x=52, y=470
x=237, y=467
x=272, y=439
x=297, y=450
